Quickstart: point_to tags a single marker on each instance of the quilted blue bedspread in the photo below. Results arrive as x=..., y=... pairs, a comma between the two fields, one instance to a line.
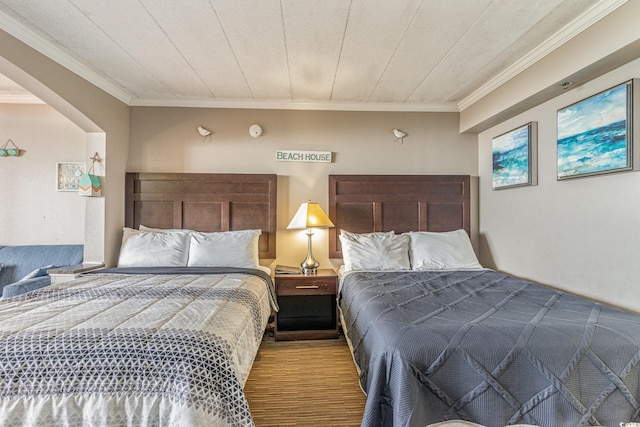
x=485, y=347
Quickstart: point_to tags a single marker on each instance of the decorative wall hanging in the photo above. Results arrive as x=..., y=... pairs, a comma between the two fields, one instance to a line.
x=304, y=156
x=515, y=157
x=68, y=175
x=9, y=149
x=89, y=184
x=399, y=134
x=204, y=131
x=595, y=134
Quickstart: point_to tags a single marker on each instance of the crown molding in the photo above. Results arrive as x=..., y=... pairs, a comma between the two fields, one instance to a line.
x=51, y=51
x=575, y=27
x=296, y=105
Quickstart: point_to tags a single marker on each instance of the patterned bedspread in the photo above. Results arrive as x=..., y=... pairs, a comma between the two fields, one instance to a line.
x=488, y=348
x=133, y=350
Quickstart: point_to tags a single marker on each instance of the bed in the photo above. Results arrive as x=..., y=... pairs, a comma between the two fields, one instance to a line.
x=166, y=338
x=435, y=337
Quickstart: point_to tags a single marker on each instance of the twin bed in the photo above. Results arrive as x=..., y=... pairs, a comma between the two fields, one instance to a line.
x=169, y=339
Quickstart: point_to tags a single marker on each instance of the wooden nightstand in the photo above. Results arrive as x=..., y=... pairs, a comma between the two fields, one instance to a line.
x=308, y=306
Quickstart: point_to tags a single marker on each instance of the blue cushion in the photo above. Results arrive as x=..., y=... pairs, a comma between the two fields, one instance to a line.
x=24, y=286
x=20, y=261
x=38, y=272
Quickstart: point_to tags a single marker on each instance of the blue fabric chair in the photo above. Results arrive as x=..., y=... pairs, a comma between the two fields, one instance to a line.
x=25, y=268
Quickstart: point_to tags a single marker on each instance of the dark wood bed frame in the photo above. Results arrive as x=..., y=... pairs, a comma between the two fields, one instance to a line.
x=371, y=203
x=204, y=202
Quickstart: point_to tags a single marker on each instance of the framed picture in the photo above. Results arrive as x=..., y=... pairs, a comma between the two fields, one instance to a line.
x=595, y=134
x=515, y=157
x=68, y=175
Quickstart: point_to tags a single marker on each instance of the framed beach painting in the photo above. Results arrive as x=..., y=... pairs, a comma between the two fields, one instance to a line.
x=515, y=157
x=595, y=134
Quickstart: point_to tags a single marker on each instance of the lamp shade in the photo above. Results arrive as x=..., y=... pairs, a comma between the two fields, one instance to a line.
x=310, y=215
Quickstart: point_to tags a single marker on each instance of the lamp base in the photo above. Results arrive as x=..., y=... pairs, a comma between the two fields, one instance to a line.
x=310, y=264
x=309, y=271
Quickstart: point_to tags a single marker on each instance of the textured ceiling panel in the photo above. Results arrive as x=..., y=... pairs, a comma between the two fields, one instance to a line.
x=139, y=35
x=472, y=57
x=256, y=34
x=315, y=32
x=427, y=42
x=413, y=54
x=374, y=32
x=209, y=54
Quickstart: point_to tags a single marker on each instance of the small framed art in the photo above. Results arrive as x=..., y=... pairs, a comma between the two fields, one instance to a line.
x=68, y=175
x=515, y=157
x=595, y=134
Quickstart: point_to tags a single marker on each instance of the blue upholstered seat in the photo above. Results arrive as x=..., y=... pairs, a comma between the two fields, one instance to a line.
x=21, y=262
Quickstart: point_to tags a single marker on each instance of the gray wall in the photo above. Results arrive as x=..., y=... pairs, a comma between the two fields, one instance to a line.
x=583, y=234
x=166, y=140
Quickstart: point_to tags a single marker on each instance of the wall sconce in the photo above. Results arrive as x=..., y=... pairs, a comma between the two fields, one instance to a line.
x=310, y=215
x=89, y=184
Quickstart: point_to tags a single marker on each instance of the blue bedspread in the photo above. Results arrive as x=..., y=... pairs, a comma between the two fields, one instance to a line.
x=488, y=348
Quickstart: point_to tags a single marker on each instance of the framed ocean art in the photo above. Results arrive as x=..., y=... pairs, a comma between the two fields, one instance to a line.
x=515, y=157
x=595, y=135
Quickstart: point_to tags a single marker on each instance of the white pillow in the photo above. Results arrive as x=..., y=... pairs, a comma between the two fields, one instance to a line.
x=449, y=250
x=126, y=233
x=164, y=230
x=359, y=235
x=152, y=249
x=225, y=249
x=375, y=251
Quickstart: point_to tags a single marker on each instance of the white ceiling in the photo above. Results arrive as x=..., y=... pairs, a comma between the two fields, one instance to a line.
x=404, y=55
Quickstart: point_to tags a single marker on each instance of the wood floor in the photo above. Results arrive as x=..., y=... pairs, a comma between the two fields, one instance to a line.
x=304, y=383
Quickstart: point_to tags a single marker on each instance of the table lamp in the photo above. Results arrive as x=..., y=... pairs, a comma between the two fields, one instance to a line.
x=310, y=215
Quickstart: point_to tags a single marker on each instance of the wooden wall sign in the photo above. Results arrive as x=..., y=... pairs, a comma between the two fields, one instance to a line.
x=304, y=156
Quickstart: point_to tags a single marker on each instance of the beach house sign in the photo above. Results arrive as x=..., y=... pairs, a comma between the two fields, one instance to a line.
x=304, y=156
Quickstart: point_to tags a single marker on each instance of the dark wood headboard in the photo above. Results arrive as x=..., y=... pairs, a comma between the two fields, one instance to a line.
x=368, y=203
x=204, y=202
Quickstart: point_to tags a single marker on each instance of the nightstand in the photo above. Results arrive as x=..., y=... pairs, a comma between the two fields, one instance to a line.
x=308, y=306
x=70, y=272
